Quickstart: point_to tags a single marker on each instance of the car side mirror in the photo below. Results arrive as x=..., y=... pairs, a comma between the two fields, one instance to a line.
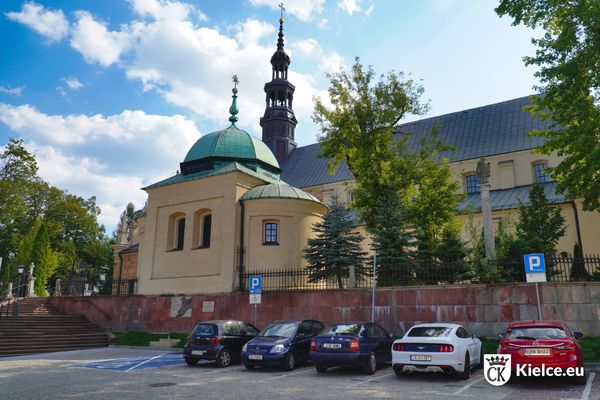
x=391, y=335
x=500, y=335
x=577, y=335
x=301, y=336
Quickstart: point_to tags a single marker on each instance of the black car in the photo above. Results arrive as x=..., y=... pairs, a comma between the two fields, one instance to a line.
x=220, y=341
x=363, y=344
x=282, y=344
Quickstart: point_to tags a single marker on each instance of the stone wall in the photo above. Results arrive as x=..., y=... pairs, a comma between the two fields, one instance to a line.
x=483, y=309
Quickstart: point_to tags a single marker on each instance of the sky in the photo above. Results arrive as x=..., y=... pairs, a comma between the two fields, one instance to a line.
x=110, y=95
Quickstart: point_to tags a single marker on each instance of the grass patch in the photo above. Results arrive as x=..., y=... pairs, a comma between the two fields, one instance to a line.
x=144, y=338
x=490, y=346
x=591, y=348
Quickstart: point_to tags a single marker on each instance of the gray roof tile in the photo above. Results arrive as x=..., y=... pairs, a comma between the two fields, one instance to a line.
x=505, y=199
x=483, y=131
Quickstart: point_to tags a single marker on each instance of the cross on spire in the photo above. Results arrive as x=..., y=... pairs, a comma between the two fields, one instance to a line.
x=235, y=80
x=282, y=9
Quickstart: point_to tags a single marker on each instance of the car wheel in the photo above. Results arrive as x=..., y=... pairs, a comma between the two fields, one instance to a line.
x=289, y=363
x=581, y=380
x=320, y=368
x=398, y=371
x=480, y=363
x=466, y=374
x=223, y=359
x=192, y=362
x=371, y=366
x=249, y=366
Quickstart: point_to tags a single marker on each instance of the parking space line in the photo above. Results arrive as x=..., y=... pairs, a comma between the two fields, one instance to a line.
x=283, y=376
x=466, y=387
x=144, y=362
x=588, y=387
x=370, y=380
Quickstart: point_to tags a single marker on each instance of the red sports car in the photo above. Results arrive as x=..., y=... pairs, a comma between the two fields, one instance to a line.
x=542, y=344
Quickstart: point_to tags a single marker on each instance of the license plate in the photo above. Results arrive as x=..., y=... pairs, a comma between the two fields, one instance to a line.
x=537, y=352
x=419, y=357
x=254, y=357
x=332, y=346
x=198, y=352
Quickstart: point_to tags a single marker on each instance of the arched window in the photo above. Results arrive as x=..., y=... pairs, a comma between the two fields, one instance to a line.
x=540, y=172
x=180, y=234
x=176, y=232
x=202, y=228
x=271, y=232
x=472, y=183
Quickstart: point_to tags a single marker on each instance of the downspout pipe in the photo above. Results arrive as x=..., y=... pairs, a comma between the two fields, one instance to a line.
x=241, y=266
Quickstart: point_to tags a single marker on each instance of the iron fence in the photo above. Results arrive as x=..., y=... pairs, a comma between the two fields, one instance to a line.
x=87, y=287
x=431, y=272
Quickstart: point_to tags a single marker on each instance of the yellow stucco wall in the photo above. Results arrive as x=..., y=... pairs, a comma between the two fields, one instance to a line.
x=295, y=219
x=507, y=171
x=214, y=269
x=192, y=270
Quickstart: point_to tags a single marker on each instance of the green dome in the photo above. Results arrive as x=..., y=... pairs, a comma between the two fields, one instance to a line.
x=278, y=191
x=231, y=143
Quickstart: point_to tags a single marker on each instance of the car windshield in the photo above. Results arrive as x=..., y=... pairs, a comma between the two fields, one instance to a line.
x=536, y=333
x=342, y=329
x=206, y=330
x=285, y=329
x=429, y=331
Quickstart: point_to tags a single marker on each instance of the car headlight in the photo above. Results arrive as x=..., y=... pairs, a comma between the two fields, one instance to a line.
x=245, y=347
x=277, y=349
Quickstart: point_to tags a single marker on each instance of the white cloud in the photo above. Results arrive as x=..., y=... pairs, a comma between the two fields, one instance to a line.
x=126, y=127
x=304, y=10
x=166, y=10
x=327, y=61
x=12, y=91
x=49, y=23
x=354, y=6
x=110, y=157
x=73, y=83
x=96, y=43
x=87, y=177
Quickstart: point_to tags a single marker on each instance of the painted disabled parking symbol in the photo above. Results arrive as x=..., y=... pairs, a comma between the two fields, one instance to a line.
x=134, y=364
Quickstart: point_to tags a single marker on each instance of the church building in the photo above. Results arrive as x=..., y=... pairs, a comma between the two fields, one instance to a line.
x=240, y=204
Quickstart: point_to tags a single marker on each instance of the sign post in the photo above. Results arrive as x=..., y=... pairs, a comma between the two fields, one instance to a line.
x=535, y=271
x=255, y=292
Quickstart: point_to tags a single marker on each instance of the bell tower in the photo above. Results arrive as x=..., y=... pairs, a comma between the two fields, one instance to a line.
x=279, y=122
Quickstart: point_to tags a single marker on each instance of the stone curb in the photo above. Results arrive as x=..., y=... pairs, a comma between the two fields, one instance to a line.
x=169, y=349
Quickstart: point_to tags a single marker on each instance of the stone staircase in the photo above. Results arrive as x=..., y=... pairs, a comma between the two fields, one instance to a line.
x=40, y=328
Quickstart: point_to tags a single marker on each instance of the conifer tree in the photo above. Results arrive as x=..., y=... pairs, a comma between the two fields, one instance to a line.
x=541, y=224
x=392, y=241
x=335, y=249
x=44, y=259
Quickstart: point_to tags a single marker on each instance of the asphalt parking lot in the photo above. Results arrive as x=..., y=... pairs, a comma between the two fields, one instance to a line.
x=120, y=373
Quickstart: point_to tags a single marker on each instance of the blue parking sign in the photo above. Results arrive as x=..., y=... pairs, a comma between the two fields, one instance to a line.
x=534, y=263
x=255, y=284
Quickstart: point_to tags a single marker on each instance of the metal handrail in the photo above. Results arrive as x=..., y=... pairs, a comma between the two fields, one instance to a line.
x=11, y=300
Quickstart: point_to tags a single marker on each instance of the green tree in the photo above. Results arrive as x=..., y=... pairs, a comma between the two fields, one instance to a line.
x=578, y=270
x=44, y=259
x=359, y=129
x=567, y=56
x=393, y=241
x=540, y=224
x=335, y=248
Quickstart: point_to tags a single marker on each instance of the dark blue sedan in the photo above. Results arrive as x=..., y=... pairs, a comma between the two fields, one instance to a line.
x=281, y=344
x=363, y=344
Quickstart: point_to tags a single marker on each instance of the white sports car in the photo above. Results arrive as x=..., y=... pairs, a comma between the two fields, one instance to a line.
x=437, y=347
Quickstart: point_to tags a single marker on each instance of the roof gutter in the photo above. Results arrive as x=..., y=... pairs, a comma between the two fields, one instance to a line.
x=241, y=266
